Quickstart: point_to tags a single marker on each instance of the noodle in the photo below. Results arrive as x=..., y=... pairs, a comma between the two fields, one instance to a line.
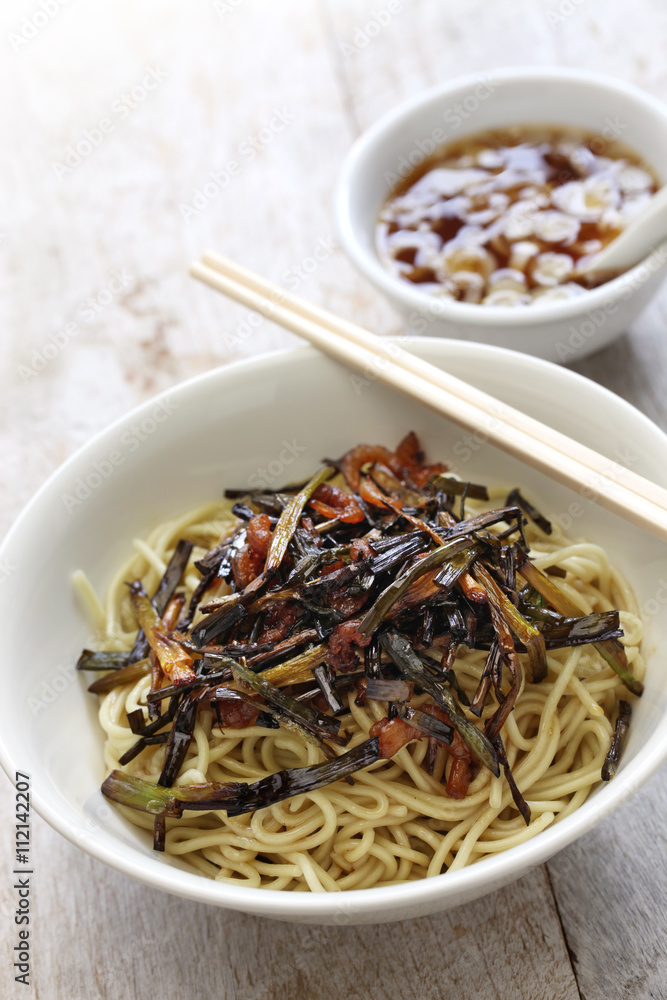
x=395, y=823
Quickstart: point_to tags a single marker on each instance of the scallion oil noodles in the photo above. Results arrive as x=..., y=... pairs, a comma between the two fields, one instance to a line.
x=501, y=700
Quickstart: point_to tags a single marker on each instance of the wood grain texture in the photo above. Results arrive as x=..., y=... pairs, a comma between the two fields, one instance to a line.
x=610, y=888
x=155, y=191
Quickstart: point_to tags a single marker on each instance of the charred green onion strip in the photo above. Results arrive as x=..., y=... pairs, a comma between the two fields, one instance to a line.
x=175, y=690
x=175, y=662
x=473, y=524
x=518, y=798
x=172, y=576
x=412, y=667
x=290, y=517
x=459, y=564
x=516, y=498
x=387, y=690
x=114, y=660
x=394, y=488
x=456, y=487
x=226, y=615
x=509, y=656
x=595, y=627
x=235, y=797
x=292, y=671
x=618, y=741
x=523, y=630
x=395, y=590
x=610, y=649
x=180, y=737
x=492, y=664
x=425, y=723
x=129, y=674
x=327, y=686
x=144, y=741
x=313, y=725
x=103, y=659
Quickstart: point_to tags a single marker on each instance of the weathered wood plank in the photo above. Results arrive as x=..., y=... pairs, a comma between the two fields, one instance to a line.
x=610, y=888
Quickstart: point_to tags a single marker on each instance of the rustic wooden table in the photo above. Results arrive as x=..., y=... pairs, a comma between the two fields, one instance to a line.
x=135, y=135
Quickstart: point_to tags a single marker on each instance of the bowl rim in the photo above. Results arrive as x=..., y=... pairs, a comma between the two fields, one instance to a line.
x=356, y=904
x=363, y=150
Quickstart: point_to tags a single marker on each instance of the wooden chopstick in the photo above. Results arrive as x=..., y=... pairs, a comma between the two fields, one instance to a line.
x=451, y=384
x=595, y=477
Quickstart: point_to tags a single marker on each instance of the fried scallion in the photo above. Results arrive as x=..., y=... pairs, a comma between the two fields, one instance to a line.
x=412, y=667
x=395, y=590
x=440, y=482
x=618, y=741
x=425, y=723
x=115, y=660
x=104, y=659
x=529, y=635
x=516, y=498
x=596, y=627
x=130, y=674
x=388, y=690
x=174, y=661
x=235, y=797
x=306, y=718
x=290, y=517
x=610, y=649
x=327, y=685
x=180, y=737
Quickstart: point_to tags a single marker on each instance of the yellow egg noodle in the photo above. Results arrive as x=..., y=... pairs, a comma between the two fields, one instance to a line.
x=395, y=823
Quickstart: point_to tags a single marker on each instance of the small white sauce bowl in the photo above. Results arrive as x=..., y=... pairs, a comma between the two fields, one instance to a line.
x=405, y=137
x=274, y=418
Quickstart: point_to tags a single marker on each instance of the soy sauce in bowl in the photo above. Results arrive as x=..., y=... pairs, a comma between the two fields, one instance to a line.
x=504, y=217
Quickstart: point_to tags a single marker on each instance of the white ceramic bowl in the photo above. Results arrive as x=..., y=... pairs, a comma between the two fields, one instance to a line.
x=405, y=137
x=275, y=417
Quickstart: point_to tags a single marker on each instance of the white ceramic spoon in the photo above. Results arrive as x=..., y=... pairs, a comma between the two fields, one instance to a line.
x=646, y=230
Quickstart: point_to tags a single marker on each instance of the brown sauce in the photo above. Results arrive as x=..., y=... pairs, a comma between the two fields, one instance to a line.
x=505, y=217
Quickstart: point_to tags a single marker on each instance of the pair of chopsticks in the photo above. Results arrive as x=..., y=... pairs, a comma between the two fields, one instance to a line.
x=563, y=459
